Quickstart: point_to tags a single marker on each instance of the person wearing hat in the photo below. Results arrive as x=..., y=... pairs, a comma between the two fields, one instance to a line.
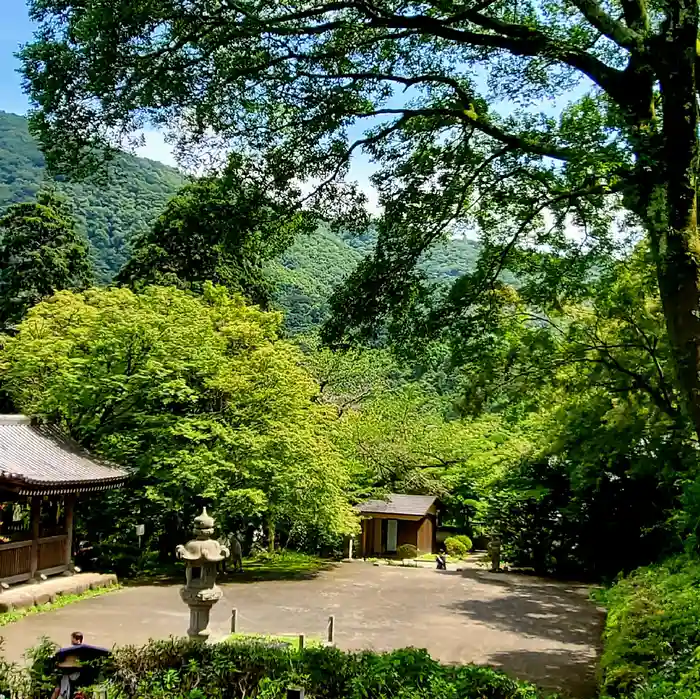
x=68, y=678
x=69, y=661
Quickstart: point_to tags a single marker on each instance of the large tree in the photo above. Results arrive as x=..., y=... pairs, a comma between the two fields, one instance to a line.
x=447, y=91
x=40, y=253
x=218, y=230
x=197, y=395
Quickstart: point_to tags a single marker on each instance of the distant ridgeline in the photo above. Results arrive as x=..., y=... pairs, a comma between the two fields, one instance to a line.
x=136, y=192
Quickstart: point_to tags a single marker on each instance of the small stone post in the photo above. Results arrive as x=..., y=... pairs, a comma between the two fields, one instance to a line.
x=495, y=550
x=331, y=629
x=234, y=620
x=200, y=592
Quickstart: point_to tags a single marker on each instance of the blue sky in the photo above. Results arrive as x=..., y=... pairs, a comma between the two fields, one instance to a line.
x=15, y=29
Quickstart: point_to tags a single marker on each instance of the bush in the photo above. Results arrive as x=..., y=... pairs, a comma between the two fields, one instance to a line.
x=254, y=669
x=652, y=633
x=183, y=669
x=455, y=547
x=406, y=551
x=465, y=540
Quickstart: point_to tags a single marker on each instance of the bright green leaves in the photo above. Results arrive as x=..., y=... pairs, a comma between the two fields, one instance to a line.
x=197, y=395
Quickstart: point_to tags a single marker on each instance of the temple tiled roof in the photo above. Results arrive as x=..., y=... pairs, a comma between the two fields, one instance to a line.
x=37, y=458
x=407, y=505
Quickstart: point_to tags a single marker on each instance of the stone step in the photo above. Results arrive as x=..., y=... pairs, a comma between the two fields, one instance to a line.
x=47, y=591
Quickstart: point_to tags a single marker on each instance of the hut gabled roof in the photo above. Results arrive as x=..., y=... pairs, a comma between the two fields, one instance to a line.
x=397, y=504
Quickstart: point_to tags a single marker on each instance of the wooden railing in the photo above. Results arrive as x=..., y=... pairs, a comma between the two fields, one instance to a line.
x=52, y=553
x=15, y=561
x=16, y=558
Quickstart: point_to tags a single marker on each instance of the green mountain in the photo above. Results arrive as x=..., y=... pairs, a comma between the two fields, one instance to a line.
x=136, y=190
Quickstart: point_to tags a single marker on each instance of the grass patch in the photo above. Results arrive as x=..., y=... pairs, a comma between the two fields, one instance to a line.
x=292, y=641
x=431, y=557
x=283, y=565
x=61, y=601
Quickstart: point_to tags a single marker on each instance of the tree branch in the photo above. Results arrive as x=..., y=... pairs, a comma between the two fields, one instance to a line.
x=524, y=142
x=604, y=23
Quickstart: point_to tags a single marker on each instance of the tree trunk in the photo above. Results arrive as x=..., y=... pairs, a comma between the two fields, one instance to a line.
x=270, y=533
x=677, y=244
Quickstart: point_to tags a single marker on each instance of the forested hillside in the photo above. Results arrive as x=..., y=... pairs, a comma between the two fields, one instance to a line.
x=136, y=192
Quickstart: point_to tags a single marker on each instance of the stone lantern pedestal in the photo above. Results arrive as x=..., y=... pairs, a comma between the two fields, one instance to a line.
x=200, y=591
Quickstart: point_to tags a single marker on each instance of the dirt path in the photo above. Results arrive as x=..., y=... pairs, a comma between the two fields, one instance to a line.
x=535, y=629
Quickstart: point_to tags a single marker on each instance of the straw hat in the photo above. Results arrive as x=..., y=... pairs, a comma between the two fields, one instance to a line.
x=70, y=662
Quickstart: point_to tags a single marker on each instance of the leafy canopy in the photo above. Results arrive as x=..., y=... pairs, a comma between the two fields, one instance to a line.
x=40, y=253
x=221, y=230
x=446, y=94
x=197, y=395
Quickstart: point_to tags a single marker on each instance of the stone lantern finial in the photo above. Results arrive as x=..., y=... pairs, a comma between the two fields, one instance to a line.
x=203, y=524
x=200, y=592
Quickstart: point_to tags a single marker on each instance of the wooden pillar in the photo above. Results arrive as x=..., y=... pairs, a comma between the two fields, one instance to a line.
x=35, y=513
x=377, y=524
x=69, y=511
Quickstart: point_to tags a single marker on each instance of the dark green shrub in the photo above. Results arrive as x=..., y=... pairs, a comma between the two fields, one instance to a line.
x=465, y=540
x=652, y=633
x=455, y=547
x=406, y=551
x=182, y=669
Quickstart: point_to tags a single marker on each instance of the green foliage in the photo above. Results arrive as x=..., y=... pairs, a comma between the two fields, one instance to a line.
x=108, y=212
x=454, y=154
x=652, y=633
x=197, y=396
x=612, y=456
x=40, y=253
x=406, y=551
x=182, y=669
x=351, y=379
x=456, y=547
x=465, y=540
x=123, y=211
x=307, y=273
x=407, y=440
x=220, y=230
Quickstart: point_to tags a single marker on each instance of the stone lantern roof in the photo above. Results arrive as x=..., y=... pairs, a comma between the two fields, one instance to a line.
x=203, y=549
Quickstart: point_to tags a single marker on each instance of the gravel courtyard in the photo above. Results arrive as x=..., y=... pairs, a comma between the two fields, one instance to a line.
x=535, y=629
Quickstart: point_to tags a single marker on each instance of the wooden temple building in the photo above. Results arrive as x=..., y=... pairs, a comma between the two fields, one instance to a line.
x=400, y=519
x=42, y=473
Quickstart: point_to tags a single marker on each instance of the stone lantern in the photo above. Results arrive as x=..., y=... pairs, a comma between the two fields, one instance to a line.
x=200, y=592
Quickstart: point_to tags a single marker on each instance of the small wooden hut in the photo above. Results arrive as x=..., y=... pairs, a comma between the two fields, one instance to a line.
x=400, y=519
x=41, y=475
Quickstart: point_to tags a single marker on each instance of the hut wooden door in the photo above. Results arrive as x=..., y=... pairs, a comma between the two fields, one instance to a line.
x=392, y=535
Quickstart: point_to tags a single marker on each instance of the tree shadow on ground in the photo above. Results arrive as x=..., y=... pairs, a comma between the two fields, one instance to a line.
x=271, y=572
x=570, y=673
x=534, y=607
x=253, y=572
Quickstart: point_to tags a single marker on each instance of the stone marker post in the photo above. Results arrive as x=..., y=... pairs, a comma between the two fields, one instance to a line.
x=495, y=551
x=200, y=592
